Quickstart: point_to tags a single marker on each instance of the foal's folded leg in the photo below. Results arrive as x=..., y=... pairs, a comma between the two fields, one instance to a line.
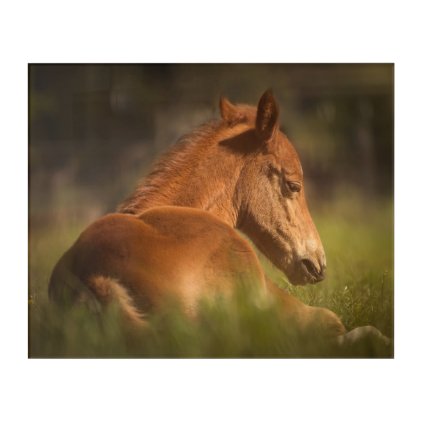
x=309, y=320
x=365, y=341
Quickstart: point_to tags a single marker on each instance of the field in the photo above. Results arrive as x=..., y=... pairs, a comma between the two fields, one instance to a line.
x=357, y=234
x=96, y=129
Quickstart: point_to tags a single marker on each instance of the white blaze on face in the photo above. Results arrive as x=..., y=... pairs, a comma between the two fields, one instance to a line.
x=311, y=246
x=308, y=248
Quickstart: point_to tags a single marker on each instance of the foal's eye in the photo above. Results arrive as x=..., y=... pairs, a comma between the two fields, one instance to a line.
x=294, y=186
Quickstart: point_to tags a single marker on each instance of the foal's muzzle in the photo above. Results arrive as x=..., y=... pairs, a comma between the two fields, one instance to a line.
x=316, y=274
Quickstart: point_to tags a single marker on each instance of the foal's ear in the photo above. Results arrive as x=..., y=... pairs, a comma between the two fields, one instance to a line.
x=228, y=111
x=267, y=116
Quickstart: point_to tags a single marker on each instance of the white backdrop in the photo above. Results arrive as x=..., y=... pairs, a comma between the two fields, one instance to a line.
x=217, y=31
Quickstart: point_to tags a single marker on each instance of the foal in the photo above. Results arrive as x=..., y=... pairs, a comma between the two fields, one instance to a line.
x=176, y=235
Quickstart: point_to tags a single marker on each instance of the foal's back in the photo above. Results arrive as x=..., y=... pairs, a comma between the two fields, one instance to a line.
x=164, y=253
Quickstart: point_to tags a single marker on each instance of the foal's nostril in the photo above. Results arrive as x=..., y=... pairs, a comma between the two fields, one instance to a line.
x=312, y=269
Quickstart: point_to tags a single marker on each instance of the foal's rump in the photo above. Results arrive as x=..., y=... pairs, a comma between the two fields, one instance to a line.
x=141, y=261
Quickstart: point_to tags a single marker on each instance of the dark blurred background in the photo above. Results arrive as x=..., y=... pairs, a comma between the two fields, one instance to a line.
x=95, y=129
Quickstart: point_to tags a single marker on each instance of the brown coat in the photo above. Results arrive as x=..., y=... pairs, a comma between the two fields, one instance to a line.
x=176, y=236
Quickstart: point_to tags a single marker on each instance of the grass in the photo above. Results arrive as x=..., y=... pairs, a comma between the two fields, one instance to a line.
x=358, y=239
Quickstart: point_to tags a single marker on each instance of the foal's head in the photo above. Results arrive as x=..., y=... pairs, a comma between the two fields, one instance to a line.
x=271, y=195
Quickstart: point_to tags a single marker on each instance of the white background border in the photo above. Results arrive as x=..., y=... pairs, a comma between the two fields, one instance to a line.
x=217, y=31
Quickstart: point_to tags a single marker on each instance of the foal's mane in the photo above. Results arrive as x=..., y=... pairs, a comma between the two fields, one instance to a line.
x=179, y=160
x=170, y=166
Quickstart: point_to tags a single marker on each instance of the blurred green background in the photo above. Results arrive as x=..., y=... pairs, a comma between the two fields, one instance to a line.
x=96, y=129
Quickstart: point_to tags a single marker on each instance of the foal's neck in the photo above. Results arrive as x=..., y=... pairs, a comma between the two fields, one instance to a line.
x=198, y=173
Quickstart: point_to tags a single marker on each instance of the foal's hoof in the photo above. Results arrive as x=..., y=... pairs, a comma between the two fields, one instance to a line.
x=365, y=341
